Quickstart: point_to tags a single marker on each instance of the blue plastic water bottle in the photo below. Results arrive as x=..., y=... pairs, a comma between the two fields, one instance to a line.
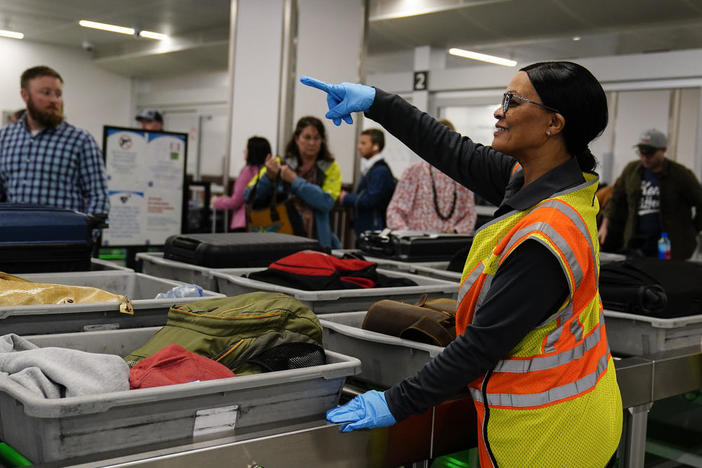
x=664, y=246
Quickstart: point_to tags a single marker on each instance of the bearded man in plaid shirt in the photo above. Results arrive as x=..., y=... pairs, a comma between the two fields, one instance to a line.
x=47, y=161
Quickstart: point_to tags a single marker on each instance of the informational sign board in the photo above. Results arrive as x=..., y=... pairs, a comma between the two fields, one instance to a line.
x=145, y=180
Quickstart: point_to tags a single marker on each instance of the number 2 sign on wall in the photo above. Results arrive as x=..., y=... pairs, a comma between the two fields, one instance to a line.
x=421, y=81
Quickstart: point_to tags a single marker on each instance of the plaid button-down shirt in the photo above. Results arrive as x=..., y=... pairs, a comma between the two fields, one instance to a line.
x=61, y=167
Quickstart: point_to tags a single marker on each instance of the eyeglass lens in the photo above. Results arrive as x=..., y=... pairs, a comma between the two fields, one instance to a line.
x=506, y=102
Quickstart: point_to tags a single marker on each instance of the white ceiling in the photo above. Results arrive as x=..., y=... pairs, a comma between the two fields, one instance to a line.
x=199, y=29
x=525, y=30
x=531, y=30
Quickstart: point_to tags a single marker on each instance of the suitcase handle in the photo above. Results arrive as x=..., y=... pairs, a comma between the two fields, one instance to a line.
x=97, y=221
x=185, y=242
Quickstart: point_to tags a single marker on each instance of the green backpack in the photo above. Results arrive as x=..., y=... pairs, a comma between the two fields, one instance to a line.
x=250, y=333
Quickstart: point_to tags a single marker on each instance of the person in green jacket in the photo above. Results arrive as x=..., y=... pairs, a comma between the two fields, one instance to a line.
x=655, y=195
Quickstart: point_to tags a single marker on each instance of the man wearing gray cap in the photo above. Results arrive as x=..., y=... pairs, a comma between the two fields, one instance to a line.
x=655, y=195
x=150, y=119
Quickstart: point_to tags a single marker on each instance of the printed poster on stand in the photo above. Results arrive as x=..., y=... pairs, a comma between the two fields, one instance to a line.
x=145, y=179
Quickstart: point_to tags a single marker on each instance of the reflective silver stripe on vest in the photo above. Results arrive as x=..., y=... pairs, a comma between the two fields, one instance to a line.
x=484, y=290
x=578, y=222
x=576, y=329
x=555, y=335
x=468, y=283
x=475, y=393
x=556, y=238
x=550, y=396
x=521, y=366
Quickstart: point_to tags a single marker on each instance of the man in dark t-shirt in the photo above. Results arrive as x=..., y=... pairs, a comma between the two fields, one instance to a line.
x=648, y=223
x=655, y=195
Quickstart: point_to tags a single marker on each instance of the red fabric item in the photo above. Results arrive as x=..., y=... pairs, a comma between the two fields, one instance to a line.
x=362, y=282
x=313, y=263
x=173, y=365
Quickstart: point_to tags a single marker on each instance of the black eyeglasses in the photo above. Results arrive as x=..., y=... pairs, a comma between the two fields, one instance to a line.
x=509, y=98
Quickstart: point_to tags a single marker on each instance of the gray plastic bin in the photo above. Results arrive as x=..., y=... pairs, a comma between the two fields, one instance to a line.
x=607, y=257
x=439, y=265
x=66, y=318
x=427, y=269
x=47, y=430
x=97, y=264
x=637, y=335
x=232, y=282
x=386, y=360
x=154, y=264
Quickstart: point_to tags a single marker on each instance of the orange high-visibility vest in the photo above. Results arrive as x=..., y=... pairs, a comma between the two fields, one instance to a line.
x=553, y=401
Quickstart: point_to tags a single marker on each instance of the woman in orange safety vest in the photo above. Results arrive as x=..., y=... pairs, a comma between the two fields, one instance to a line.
x=531, y=343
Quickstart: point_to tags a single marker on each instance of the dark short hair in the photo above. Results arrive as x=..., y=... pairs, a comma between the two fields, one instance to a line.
x=257, y=148
x=303, y=123
x=377, y=137
x=36, y=72
x=579, y=98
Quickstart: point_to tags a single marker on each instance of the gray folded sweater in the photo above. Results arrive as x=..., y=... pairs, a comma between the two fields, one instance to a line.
x=60, y=372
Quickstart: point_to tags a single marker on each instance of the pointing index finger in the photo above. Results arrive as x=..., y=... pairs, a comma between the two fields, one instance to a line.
x=309, y=81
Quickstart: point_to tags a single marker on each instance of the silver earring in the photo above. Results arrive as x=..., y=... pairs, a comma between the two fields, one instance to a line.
x=548, y=132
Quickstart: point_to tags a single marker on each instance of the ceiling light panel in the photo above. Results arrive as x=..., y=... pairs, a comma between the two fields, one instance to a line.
x=482, y=57
x=153, y=35
x=11, y=34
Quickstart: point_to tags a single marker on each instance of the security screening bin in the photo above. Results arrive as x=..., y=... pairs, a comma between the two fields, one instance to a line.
x=47, y=430
x=385, y=360
x=607, y=257
x=97, y=264
x=429, y=269
x=232, y=282
x=141, y=289
x=154, y=264
x=638, y=335
x=420, y=269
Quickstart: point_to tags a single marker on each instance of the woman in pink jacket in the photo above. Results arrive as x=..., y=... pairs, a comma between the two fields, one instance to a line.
x=257, y=149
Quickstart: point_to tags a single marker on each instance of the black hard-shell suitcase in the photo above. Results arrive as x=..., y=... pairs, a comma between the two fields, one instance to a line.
x=652, y=287
x=44, y=239
x=236, y=249
x=413, y=246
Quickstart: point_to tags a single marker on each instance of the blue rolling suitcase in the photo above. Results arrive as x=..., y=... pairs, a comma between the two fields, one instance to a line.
x=44, y=239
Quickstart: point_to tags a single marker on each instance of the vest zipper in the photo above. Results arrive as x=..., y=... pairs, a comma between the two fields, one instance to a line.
x=486, y=417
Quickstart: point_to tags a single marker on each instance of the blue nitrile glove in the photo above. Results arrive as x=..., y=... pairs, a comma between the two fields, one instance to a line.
x=343, y=98
x=365, y=411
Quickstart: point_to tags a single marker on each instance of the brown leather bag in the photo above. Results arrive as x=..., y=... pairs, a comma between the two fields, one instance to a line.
x=427, y=321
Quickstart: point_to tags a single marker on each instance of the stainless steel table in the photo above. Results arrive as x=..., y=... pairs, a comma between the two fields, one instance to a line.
x=645, y=380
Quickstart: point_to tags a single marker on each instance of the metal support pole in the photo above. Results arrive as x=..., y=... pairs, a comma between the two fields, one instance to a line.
x=230, y=98
x=288, y=70
x=632, y=447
